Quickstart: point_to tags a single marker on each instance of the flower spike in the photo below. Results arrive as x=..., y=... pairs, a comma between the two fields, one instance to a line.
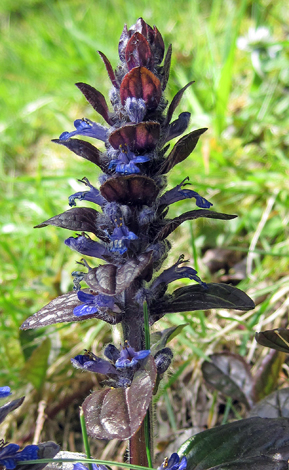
x=130, y=231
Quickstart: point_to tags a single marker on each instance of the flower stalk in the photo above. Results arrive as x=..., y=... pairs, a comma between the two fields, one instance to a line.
x=128, y=231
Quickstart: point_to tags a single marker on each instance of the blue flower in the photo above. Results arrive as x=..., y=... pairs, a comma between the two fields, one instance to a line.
x=120, y=366
x=121, y=236
x=92, y=303
x=136, y=109
x=125, y=163
x=178, y=194
x=88, y=128
x=175, y=272
x=5, y=392
x=86, y=246
x=129, y=358
x=9, y=455
x=95, y=466
x=174, y=463
x=92, y=363
x=93, y=195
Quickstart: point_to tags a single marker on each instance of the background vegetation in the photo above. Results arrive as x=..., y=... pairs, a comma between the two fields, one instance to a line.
x=241, y=164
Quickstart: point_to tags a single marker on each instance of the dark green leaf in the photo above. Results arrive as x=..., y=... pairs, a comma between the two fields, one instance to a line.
x=159, y=339
x=190, y=298
x=254, y=443
x=35, y=368
x=230, y=374
x=275, y=405
x=267, y=375
x=276, y=339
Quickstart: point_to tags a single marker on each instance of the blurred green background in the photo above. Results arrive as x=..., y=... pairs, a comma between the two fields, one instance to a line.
x=237, y=53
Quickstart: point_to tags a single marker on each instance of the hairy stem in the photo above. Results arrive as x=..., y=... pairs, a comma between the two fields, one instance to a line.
x=137, y=448
x=133, y=332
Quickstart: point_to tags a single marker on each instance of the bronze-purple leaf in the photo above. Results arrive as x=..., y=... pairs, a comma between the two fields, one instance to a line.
x=196, y=297
x=130, y=190
x=118, y=413
x=122, y=43
x=143, y=28
x=10, y=406
x=96, y=99
x=177, y=98
x=102, y=279
x=78, y=219
x=141, y=83
x=140, y=26
x=166, y=67
x=60, y=310
x=85, y=150
x=181, y=150
x=109, y=69
x=138, y=52
x=276, y=339
x=230, y=374
x=171, y=225
x=275, y=405
x=112, y=280
x=157, y=46
x=138, y=137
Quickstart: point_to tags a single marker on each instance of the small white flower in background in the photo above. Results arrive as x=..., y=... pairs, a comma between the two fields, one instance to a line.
x=258, y=41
